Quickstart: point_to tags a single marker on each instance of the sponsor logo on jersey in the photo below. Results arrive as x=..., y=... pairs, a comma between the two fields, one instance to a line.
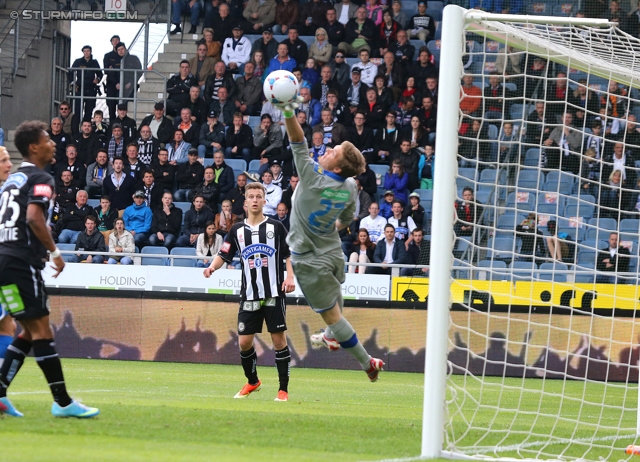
x=254, y=249
x=17, y=179
x=258, y=262
x=335, y=195
x=269, y=234
x=317, y=168
x=42, y=190
x=225, y=247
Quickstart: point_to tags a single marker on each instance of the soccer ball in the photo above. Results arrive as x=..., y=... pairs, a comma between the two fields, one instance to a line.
x=281, y=87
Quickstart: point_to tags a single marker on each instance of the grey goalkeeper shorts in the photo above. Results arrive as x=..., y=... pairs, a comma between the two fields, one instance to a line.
x=320, y=277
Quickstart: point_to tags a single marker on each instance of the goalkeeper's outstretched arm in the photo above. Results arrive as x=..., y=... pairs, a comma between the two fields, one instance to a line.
x=296, y=135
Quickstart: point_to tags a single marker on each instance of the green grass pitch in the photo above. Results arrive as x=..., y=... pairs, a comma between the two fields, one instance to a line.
x=186, y=412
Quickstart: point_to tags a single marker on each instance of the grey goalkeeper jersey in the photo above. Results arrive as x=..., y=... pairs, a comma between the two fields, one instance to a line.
x=319, y=200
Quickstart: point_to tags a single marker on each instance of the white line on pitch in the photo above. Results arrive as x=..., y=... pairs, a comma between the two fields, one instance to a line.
x=46, y=392
x=515, y=447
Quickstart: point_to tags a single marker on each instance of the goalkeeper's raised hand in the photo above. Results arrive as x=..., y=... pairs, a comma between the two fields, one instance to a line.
x=289, y=108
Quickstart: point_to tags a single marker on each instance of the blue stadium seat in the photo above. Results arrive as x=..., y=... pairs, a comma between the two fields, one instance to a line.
x=541, y=8
x=236, y=164
x=434, y=5
x=529, y=178
x=254, y=165
x=523, y=269
x=584, y=277
x=466, y=172
x=380, y=169
x=493, y=176
x=254, y=121
x=426, y=195
x=93, y=202
x=630, y=225
x=550, y=271
x=563, y=187
x=62, y=246
x=597, y=228
x=502, y=248
x=435, y=14
x=582, y=209
x=185, y=262
x=184, y=206
x=154, y=261
x=556, y=175
x=410, y=7
x=532, y=157
x=495, y=270
x=207, y=162
x=522, y=200
x=308, y=39
x=434, y=48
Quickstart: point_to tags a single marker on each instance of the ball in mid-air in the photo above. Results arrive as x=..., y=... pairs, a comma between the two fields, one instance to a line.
x=281, y=87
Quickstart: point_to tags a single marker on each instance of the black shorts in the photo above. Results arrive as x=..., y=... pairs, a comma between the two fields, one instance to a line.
x=22, y=290
x=274, y=314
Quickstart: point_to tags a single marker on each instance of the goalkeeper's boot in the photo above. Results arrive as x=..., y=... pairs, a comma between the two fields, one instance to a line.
x=319, y=339
x=282, y=396
x=7, y=408
x=248, y=389
x=74, y=409
x=375, y=366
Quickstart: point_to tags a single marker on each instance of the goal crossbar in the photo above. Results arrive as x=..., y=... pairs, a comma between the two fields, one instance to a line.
x=593, y=46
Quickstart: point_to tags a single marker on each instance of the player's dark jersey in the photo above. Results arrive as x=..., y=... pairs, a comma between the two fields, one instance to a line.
x=28, y=185
x=263, y=249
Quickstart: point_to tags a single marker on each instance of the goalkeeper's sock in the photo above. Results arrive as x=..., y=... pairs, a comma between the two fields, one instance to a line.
x=5, y=341
x=13, y=361
x=44, y=351
x=249, y=360
x=283, y=360
x=344, y=333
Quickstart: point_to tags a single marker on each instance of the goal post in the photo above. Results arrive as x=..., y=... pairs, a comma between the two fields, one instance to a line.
x=480, y=407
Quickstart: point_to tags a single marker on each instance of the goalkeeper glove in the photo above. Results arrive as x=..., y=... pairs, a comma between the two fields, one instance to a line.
x=289, y=108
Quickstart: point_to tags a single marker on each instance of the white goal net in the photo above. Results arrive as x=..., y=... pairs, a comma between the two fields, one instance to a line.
x=541, y=357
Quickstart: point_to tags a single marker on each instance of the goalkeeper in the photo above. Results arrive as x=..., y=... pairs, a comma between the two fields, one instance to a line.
x=323, y=203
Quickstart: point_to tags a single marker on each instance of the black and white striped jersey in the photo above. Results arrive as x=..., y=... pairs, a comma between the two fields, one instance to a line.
x=27, y=185
x=263, y=249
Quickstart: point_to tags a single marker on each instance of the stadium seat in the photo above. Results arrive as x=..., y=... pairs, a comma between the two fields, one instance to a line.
x=466, y=172
x=254, y=165
x=524, y=270
x=435, y=14
x=154, y=250
x=553, y=271
x=93, y=202
x=425, y=194
x=532, y=157
x=586, y=258
x=308, y=39
x=584, y=277
x=599, y=228
x=530, y=178
x=410, y=7
x=236, y=164
x=541, y=8
x=434, y=48
x=66, y=257
x=502, y=248
x=522, y=200
x=582, y=209
x=556, y=175
x=186, y=262
x=462, y=248
x=630, y=225
x=493, y=176
x=563, y=187
x=184, y=206
x=207, y=162
x=380, y=171
x=433, y=5
x=498, y=270
x=254, y=121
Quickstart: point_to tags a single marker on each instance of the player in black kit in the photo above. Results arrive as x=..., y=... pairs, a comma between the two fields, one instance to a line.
x=263, y=248
x=25, y=200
